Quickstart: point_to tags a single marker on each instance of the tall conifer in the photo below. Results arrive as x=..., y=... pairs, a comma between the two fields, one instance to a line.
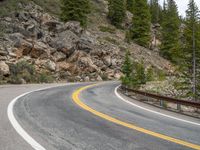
x=140, y=30
x=130, y=5
x=170, y=48
x=117, y=12
x=191, y=48
x=75, y=10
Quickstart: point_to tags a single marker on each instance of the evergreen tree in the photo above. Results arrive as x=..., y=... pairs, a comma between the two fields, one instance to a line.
x=130, y=5
x=156, y=11
x=191, y=53
x=170, y=48
x=140, y=73
x=75, y=10
x=127, y=69
x=117, y=12
x=140, y=31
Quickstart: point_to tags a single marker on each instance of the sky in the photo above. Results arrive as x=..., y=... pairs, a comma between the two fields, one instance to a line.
x=182, y=5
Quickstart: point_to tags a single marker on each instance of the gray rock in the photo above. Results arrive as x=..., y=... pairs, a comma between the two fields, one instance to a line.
x=73, y=26
x=4, y=68
x=25, y=46
x=87, y=79
x=40, y=50
x=16, y=37
x=59, y=56
x=65, y=42
x=86, y=42
x=3, y=52
x=13, y=55
x=50, y=65
x=3, y=58
x=107, y=61
x=99, y=78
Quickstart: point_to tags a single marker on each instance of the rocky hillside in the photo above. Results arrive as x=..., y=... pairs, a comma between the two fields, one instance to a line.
x=66, y=51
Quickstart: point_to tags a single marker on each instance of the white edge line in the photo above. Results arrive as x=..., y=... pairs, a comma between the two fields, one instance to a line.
x=18, y=127
x=152, y=111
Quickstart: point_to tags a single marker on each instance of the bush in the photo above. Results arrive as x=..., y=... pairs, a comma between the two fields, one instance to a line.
x=24, y=72
x=161, y=75
x=150, y=74
x=111, y=40
x=128, y=37
x=107, y=29
x=44, y=77
x=104, y=77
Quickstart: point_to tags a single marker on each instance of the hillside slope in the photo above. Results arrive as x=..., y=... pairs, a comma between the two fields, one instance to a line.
x=65, y=51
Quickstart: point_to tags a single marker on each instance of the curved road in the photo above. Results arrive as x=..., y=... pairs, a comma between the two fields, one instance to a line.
x=57, y=121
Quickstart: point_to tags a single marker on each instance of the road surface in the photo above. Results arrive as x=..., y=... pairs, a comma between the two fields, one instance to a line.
x=91, y=118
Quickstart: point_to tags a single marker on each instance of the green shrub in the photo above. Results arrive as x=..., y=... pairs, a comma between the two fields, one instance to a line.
x=21, y=71
x=150, y=74
x=107, y=29
x=104, y=77
x=161, y=75
x=111, y=40
x=128, y=37
x=44, y=77
x=24, y=72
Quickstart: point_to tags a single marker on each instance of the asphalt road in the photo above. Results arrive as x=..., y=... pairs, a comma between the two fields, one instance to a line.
x=55, y=121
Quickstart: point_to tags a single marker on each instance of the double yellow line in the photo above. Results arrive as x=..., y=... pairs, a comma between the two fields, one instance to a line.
x=75, y=97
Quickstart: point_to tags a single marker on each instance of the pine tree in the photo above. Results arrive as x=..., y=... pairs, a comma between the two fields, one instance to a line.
x=75, y=10
x=127, y=69
x=130, y=5
x=170, y=48
x=117, y=12
x=191, y=53
x=140, y=31
x=197, y=96
x=140, y=73
x=156, y=11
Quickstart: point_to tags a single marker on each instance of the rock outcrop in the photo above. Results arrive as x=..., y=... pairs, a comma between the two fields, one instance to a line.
x=65, y=49
x=52, y=46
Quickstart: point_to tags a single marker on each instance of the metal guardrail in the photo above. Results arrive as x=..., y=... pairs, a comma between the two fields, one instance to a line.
x=164, y=98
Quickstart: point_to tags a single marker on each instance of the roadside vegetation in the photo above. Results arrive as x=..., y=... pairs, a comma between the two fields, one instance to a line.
x=135, y=74
x=23, y=72
x=180, y=43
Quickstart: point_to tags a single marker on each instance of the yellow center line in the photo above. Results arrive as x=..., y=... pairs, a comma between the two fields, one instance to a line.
x=75, y=97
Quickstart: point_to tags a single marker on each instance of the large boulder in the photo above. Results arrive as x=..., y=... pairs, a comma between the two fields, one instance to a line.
x=87, y=65
x=86, y=42
x=107, y=61
x=4, y=68
x=3, y=52
x=50, y=65
x=64, y=66
x=65, y=42
x=24, y=46
x=40, y=50
x=74, y=26
x=59, y=56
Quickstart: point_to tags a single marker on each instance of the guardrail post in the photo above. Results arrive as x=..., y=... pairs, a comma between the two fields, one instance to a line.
x=161, y=103
x=179, y=107
x=126, y=91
